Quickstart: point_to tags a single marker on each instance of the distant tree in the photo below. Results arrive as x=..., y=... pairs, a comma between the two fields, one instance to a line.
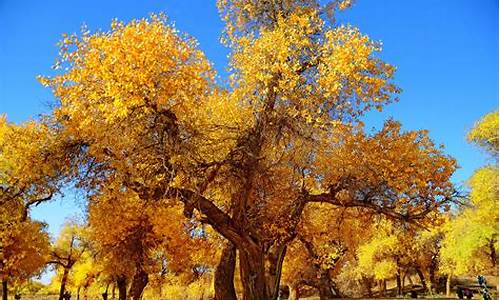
x=68, y=249
x=470, y=243
x=137, y=241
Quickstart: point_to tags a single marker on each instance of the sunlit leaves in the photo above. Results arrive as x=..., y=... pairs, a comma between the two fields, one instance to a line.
x=25, y=249
x=471, y=237
x=246, y=157
x=485, y=133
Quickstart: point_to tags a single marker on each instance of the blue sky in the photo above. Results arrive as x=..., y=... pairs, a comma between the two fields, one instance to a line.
x=446, y=53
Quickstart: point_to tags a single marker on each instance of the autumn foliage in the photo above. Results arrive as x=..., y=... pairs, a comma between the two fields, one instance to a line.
x=199, y=188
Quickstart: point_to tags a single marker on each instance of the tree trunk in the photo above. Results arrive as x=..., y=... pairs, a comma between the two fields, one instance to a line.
x=224, y=274
x=325, y=292
x=5, y=293
x=326, y=287
x=78, y=293
x=403, y=280
x=113, y=291
x=121, y=283
x=252, y=272
x=273, y=271
x=432, y=274
x=432, y=279
x=398, y=283
x=105, y=294
x=384, y=287
x=293, y=292
x=448, y=285
x=422, y=278
x=410, y=280
x=493, y=254
x=63, y=283
x=367, y=283
x=139, y=282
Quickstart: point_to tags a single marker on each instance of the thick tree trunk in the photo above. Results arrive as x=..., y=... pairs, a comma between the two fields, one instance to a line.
x=326, y=288
x=5, y=286
x=448, y=285
x=432, y=274
x=139, y=282
x=224, y=274
x=293, y=292
x=64, y=278
x=432, y=279
x=273, y=271
x=422, y=278
x=252, y=272
x=121, y=283
x=325, y=292
x=367, y=283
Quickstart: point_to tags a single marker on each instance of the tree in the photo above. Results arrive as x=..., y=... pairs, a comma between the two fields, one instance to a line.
x=24, y=249
x=138, y=241
x=67, y=251
x=471, y=238
x=327, y=237
x=395, y=251
x=143, y=103
x=485, y=133
x=33, y=163
x=85, y=272
x=31, y=171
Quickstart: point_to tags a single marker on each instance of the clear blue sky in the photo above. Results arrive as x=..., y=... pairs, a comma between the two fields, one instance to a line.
x=446, y=53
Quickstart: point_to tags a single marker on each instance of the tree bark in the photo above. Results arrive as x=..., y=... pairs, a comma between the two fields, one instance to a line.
x=367, y=283
x=326, y=287
x=5, y=293
x=398, y=283
x=432, y=273
x=275, y=258
x=63, y=283
x=78, y=293
x=422, y=278
x=139, y=282
x=293, y=292
x=325, y=292
x=224, y=274
x=253, y=273
x=403, y=280
x=121, y=283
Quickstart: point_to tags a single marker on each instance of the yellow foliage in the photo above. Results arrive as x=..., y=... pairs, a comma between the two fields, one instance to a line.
x=470, y=244
x=485, y=133
x=25, y=249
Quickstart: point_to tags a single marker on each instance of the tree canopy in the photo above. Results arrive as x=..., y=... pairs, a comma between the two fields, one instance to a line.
x=274, y=163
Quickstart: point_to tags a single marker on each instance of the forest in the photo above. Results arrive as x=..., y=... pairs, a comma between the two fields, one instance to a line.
x=267, y=186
